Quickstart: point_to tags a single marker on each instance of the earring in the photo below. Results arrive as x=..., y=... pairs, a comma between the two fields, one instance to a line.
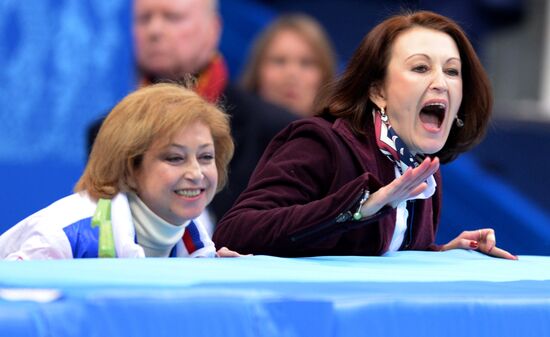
x=383, y=115
x=459, y=123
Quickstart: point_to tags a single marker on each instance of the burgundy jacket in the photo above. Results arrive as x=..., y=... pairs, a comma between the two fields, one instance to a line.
x=301, y=197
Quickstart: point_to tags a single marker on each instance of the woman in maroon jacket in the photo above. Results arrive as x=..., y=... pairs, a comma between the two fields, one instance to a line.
x=362, y=178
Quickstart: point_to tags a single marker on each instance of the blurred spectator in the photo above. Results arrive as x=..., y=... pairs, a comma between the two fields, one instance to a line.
x=175, y=38
x=289, y=62
x=348, y=20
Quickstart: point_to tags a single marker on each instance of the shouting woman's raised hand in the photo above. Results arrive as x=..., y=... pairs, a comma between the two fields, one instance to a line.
x=411, y=183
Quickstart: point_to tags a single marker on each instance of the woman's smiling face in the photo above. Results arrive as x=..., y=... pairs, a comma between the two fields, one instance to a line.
x=422, y=90
x=178, y=180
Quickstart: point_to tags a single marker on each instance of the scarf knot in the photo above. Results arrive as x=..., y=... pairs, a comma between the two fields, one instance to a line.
x=397, y=152
x=391, y=145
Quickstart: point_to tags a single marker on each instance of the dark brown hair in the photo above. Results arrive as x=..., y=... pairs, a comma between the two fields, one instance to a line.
x=348, y=97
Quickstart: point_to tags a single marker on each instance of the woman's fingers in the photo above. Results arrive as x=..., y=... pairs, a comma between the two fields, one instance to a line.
x=417, y=190
x=421, y=173
x=497, y=252
x=483, y=240
x=490, y=239
x=472, y=245
x=411, y=183
x=425, y=172
x=453, y=244
x=225, y=252
x=475, y=235
x=460, y=243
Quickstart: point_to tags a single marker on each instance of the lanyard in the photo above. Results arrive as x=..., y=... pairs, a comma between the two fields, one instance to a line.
x=102, y=219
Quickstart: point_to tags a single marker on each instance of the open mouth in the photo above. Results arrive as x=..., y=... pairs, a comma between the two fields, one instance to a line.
x=189, y=193
x=432, y=115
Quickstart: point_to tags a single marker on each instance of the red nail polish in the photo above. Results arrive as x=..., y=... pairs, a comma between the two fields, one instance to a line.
x=473, y=244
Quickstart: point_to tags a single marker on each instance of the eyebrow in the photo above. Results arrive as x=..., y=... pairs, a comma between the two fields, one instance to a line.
x=183, y=147
x=428, y=57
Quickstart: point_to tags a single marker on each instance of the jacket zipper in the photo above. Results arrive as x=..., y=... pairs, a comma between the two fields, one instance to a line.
x=340, y=218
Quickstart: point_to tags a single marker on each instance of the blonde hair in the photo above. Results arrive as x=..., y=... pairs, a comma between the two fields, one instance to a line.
x=155, y=112
x=305, y=26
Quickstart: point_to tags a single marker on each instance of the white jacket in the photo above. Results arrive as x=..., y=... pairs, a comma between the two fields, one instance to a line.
x=63, y=231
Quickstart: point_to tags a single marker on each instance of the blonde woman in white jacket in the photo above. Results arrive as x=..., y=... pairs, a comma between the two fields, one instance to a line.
x=160, y=157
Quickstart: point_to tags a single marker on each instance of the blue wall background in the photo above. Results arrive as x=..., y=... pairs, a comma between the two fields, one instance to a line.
x=65, y=63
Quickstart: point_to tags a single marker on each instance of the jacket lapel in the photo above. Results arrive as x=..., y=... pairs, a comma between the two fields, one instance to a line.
x=365, y=150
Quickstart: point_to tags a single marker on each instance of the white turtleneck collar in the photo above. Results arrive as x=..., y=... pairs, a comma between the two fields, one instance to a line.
x=154, y=234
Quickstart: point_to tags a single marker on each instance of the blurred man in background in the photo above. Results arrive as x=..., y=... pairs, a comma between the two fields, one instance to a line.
x=177, y=38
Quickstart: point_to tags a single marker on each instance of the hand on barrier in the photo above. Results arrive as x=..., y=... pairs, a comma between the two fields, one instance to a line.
x=483, y=240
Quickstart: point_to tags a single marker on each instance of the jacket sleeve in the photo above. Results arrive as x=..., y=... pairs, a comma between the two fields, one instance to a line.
x=29, y=241
x=208, y=249
x=287, y=207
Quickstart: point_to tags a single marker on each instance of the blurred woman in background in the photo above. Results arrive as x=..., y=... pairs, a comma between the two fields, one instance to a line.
x=290, y=61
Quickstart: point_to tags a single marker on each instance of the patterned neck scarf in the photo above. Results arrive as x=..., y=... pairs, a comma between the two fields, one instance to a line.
x=391, y=145
x=396, y=150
